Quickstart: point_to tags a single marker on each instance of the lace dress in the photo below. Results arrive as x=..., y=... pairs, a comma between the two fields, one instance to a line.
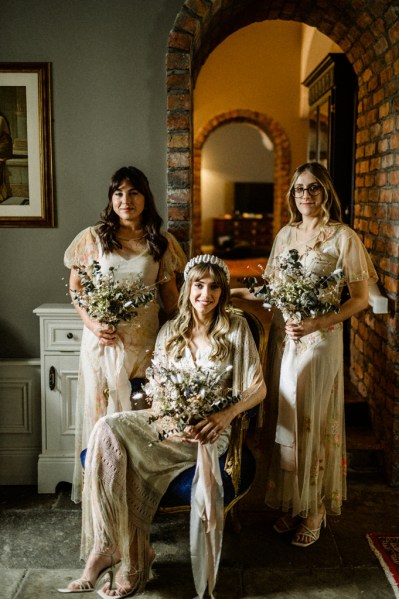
x=125, y=477
x=305, y=386
x=137, y=336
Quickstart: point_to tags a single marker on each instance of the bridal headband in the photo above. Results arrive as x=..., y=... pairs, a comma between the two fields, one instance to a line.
x=206, y=259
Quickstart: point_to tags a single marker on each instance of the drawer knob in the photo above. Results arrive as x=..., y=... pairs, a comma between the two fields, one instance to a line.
x=70, y=335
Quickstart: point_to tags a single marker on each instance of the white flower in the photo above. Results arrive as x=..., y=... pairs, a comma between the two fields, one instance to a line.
x=107, y=300
x=184, y=396
x=296, y=291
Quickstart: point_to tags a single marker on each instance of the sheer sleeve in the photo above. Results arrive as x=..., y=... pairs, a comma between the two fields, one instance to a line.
x=354, y=258
x=247, y=379
x=247, y=370
x=279, y=245
x=173, y=261
x=83, y=250
x=160, y=354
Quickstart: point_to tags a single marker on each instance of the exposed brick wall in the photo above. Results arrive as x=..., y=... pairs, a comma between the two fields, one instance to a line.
x=368, y=32
x=282, y=164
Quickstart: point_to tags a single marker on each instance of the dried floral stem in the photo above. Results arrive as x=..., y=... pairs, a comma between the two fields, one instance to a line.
x=108, y=300
x=183, y=396
x=298, y=293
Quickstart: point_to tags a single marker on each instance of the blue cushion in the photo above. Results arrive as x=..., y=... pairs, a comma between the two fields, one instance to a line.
x=83, y=458
x=179, y=491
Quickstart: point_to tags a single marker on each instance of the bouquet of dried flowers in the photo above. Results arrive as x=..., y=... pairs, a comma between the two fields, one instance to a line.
x=298, y=293
x=108, y=300
x=183, y=396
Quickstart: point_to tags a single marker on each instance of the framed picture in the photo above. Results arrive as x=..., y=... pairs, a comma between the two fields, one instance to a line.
x=26, y=164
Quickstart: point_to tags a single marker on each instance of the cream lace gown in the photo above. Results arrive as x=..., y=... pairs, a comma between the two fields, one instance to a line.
x=306, y=381
x=137, y=336
x=125, y=477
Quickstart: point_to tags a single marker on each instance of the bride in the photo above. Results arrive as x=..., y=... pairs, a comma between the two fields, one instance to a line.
x=127, y=470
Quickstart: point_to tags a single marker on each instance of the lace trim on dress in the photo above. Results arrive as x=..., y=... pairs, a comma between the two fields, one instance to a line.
x=115, y=500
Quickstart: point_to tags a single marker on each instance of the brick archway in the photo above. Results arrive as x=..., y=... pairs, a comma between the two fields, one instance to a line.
x=368, y=33
x=282, y=164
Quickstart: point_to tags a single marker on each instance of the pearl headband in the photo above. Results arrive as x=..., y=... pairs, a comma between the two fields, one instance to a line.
x=207, y=259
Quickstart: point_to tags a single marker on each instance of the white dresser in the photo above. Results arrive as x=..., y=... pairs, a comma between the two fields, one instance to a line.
x=60, y=339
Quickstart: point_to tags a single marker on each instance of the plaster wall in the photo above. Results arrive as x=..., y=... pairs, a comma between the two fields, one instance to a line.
x=258, y=67
x=109, y=110
x=232, y=153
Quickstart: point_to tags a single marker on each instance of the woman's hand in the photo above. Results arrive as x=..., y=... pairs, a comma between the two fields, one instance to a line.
x=305, y=327
x=358, y=301
x=106, y=334
x=210, y=429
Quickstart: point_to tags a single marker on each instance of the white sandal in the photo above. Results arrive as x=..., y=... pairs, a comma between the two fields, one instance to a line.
x=86, y=586
x=308, y=535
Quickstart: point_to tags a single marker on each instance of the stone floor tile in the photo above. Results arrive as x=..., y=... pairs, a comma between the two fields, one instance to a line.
x=10, y=581
x=316, y=584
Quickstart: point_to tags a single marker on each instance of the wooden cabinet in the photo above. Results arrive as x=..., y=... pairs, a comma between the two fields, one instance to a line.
x=60, y=339
x=243, y=236
x=332, y=111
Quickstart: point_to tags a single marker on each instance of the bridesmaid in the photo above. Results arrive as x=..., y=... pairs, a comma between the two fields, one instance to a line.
x=129, y=239
x=305, y=379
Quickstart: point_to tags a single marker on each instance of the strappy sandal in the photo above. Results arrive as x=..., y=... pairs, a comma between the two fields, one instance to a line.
x=86, y=586
x=287, y=524
x=305, y=536
x=121, y=589
x=83, y=586
x=122, y=592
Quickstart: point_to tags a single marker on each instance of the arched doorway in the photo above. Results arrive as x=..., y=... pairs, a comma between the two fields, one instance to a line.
x=368, y=34
x=282, y=163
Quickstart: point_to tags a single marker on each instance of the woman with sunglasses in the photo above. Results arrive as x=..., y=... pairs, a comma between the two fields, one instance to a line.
x=305, y=379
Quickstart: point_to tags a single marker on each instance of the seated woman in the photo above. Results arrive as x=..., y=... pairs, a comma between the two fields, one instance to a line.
x=127, y=468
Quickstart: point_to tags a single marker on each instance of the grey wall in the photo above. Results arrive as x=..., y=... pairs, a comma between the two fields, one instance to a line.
x=109, y=110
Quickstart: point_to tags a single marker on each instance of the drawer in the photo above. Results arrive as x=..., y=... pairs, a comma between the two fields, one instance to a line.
x=62, y=335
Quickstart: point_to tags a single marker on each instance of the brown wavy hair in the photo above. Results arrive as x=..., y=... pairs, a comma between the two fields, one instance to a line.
x=182, y=325
x=330, y=206
x=109, y=224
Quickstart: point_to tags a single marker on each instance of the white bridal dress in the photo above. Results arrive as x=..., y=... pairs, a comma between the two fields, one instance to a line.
x=128, y=470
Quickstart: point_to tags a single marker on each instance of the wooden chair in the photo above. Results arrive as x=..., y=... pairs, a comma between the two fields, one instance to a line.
x=237, y=465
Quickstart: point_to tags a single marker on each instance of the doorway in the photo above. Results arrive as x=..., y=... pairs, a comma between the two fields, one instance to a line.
x=276, y=167
x=237, y=173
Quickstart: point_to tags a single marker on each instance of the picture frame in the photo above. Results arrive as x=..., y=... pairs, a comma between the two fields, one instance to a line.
x=26, y=154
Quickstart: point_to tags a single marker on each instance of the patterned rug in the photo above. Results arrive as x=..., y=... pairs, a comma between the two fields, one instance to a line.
x=386, y=549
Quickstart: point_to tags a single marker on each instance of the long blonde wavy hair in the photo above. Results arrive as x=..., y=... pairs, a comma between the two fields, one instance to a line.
x=330, y=206
x=182, y=325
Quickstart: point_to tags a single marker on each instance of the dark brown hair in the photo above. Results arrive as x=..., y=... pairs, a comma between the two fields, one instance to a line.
x=109, y=224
